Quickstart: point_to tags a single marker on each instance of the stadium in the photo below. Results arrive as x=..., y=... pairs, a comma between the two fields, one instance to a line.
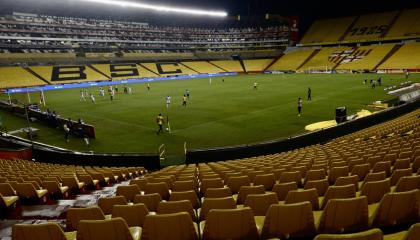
x=209, y=120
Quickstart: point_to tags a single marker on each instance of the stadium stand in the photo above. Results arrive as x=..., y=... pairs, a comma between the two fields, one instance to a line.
x=168, y=68
x=324, y=59
x=256, y=65
x=407, y=57
x=228, y=65
x=158, y=56
x=24, y=57
x=365, y=58
x=406, y=26
x=17, y=77
x=100, y=39
x=364, y=185
x=396, y=139
x=67, y=74
x=292, y=60
x=127, y=73
x=327, y=30
x=370, y=26
x=203, y=67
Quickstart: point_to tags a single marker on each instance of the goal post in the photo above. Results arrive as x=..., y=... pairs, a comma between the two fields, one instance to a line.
x=24, y=96
x=319, y=69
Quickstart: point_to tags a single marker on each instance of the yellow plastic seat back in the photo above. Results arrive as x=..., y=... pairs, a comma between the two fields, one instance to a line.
x=310, y=195
x=175, y=226
x=47, y=231
x=230, y=224
x=106, y=204
x=345, y=216
x=110, y=229
x=246, y=190
x=281, y=189
x=289, y=221
x=128, y=192
x=259, y=203
x=150, y=200
x=397, y=208
x=373, y=234
x=74, y=215
x=375, y=190
x=267, y=180
x=133, y=215
x=176, y=207
x=235, y=183
x=215, y=203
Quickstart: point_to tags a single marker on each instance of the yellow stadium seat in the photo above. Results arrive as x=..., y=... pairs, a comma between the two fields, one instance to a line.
x=110, y=229
x=106, y=204
x=133, y=215
x=257, y=65
x=46, y=231
x=291, y=60
x=229, y=224
x=17, y=77
x=203, y=67
x=372, y=234
x=176, y=226
x=289, y=221
x=228, y=65
x=327, y=30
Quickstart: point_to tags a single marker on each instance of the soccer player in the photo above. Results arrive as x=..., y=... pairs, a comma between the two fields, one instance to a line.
x=184, y=101
x=210, y=81
x=299, y=106
x=101, y=92
x=66, y=131
x=309, y=94
x=159, y=121
x=255, y=85
x=187, y=93
x=112, y=94
x=168, y=101
x=92, y=98
x=82, y=95
x=148, y=86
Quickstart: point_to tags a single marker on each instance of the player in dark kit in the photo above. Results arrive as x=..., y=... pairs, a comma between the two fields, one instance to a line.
x=309, y=94
x=299, y=106
x=159, y=121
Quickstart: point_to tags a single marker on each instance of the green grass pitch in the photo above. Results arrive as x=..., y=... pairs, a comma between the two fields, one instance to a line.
x=220, y=114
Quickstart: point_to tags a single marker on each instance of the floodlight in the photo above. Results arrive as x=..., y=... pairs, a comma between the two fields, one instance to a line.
x=160, y=8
